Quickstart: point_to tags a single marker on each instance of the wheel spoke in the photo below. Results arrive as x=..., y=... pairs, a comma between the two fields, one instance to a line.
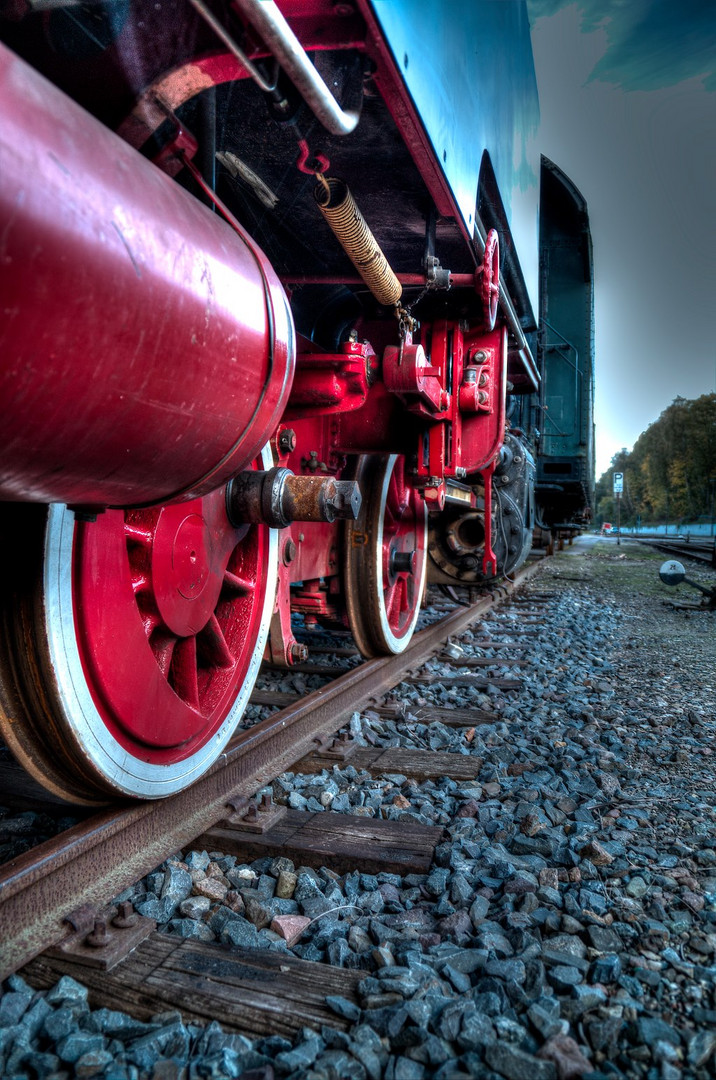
x=394, y=493
x=184, y=675
x=389, y=597
x=140, y=584
x=163, y=646
x=390, y=522
x=410, y=597
x=234, y=585
x=212, y=646
x=402, y=598
x=137, y=533
x=150, y=621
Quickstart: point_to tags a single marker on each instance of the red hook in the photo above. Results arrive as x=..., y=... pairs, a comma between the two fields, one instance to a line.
x=318, y=163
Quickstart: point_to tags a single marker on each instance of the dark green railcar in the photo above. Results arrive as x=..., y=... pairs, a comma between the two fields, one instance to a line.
x=565, y=462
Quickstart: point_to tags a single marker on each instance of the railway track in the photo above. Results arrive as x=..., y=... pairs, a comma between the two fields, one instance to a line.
x=514, y=876
x=60, y=889
x=700, y=550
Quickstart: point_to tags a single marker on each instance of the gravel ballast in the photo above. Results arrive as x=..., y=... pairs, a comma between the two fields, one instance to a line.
x=567, y=927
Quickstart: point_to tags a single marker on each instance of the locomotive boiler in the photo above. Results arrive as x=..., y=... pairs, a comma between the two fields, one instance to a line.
x=269, y=281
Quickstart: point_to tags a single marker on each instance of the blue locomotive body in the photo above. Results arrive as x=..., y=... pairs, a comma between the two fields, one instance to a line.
x=469, y=70
x=268, y=265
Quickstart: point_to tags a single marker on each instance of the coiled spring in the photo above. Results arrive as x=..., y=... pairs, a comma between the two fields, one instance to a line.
x=351, y=230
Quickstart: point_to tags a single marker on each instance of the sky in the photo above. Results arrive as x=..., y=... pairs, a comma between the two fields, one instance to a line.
x=628, y=110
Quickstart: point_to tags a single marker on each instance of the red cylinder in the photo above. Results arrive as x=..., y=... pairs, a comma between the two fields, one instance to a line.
x=146, y=348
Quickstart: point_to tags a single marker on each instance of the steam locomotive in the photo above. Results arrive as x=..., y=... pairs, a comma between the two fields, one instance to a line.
x=279, y=340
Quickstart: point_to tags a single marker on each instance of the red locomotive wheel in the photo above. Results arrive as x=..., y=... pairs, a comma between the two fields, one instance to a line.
x=147, y=628
x=385, y=558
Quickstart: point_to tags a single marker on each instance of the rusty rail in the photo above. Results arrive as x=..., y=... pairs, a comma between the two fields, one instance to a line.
x=701, y=550
x=95, y=860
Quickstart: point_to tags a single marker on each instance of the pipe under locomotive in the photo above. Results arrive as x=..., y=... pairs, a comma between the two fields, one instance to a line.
x=269, y=355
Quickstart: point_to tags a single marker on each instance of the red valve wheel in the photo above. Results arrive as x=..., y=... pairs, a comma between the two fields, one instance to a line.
x=147, y=629
x=385, y=558
x=488, y=279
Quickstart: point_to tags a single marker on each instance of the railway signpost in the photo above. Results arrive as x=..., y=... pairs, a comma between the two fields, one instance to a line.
x=618, y=489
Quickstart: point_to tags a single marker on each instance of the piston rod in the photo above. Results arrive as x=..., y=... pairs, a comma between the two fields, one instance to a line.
x=278, y=497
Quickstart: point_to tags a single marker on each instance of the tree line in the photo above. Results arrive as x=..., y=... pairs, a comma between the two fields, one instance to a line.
x=670, y=475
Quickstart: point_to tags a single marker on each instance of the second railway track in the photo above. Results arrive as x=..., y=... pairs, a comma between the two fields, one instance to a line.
x=701, y=549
